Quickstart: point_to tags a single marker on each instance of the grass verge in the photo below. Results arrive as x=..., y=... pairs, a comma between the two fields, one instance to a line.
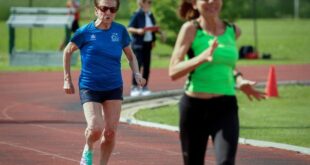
x=284, y=119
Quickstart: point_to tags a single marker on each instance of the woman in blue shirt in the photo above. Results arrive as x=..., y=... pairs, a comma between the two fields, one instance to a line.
x=101, y=43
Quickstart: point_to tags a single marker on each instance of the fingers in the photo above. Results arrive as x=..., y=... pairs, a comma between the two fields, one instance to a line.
x=68, y=88
x=69, y=91
x=252, y=92
x=249, y=97
x=261, y=96
x=141, y=82
x=215, y=44
x=258, y=95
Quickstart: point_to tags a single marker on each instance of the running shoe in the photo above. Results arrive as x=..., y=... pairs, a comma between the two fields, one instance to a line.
x=135, y=91
x=87, y=157
x=145, y=91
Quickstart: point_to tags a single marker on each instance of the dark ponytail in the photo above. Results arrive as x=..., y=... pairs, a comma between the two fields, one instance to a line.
x=186, y=10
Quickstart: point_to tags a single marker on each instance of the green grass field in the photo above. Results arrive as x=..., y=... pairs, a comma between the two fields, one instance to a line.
x=284, y=119
x=286, y=39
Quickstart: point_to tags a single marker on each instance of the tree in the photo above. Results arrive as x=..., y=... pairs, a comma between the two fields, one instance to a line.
x=232, y=9
x=166, y=12
x=167, y=18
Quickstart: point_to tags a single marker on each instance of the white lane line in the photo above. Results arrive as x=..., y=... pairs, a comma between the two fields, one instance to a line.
x=7, y=108
x=38, y=151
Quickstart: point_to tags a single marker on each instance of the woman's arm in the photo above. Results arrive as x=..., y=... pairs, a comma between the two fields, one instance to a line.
x=139, y=31
x=131, y=57
x=178, y=67
x=237, y=31
x=67, y=53
x=133, y=25
x=246, y=86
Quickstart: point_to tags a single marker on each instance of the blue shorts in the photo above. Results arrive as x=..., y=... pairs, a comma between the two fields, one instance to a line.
x=87, y=95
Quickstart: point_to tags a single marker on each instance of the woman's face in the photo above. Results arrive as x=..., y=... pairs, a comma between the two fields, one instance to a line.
x=146, y=5
x=209, y=8
x=106, y=10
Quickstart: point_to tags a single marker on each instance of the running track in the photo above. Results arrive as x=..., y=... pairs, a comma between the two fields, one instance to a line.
x=40, y=125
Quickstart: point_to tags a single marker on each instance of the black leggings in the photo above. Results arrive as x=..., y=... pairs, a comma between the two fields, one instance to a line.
x=201, y=118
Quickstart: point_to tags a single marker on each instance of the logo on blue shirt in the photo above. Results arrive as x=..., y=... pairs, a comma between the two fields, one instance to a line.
x=115, y=37
x=93, y=37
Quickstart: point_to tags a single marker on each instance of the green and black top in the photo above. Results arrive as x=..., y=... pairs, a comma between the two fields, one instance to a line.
x=214, y=77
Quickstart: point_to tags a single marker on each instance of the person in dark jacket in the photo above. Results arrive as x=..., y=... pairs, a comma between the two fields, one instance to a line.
x=143, y=27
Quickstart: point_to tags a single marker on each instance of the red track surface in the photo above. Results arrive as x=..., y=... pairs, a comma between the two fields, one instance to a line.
x=40, y=125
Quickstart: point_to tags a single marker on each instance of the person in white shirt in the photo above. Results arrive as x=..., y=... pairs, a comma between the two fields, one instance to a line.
x=142, y=26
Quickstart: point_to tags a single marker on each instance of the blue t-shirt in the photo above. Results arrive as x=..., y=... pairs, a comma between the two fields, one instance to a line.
x=101, y=52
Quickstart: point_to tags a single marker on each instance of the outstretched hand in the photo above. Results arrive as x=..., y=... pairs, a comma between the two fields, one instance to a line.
x=247, y=87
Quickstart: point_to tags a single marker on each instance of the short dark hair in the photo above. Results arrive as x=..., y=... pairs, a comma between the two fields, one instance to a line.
x=117, y=3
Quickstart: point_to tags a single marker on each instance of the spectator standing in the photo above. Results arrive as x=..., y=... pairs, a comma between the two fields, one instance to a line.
x=75, y=5
x=142, y=26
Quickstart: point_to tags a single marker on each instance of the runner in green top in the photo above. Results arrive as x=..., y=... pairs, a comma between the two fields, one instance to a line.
x=214, y=77
x=206, y=51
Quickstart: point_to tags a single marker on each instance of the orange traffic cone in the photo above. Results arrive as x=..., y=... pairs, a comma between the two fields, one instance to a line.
x=271, y=86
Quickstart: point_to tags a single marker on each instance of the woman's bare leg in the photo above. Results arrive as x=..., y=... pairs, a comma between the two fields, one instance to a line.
x=112, y=109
